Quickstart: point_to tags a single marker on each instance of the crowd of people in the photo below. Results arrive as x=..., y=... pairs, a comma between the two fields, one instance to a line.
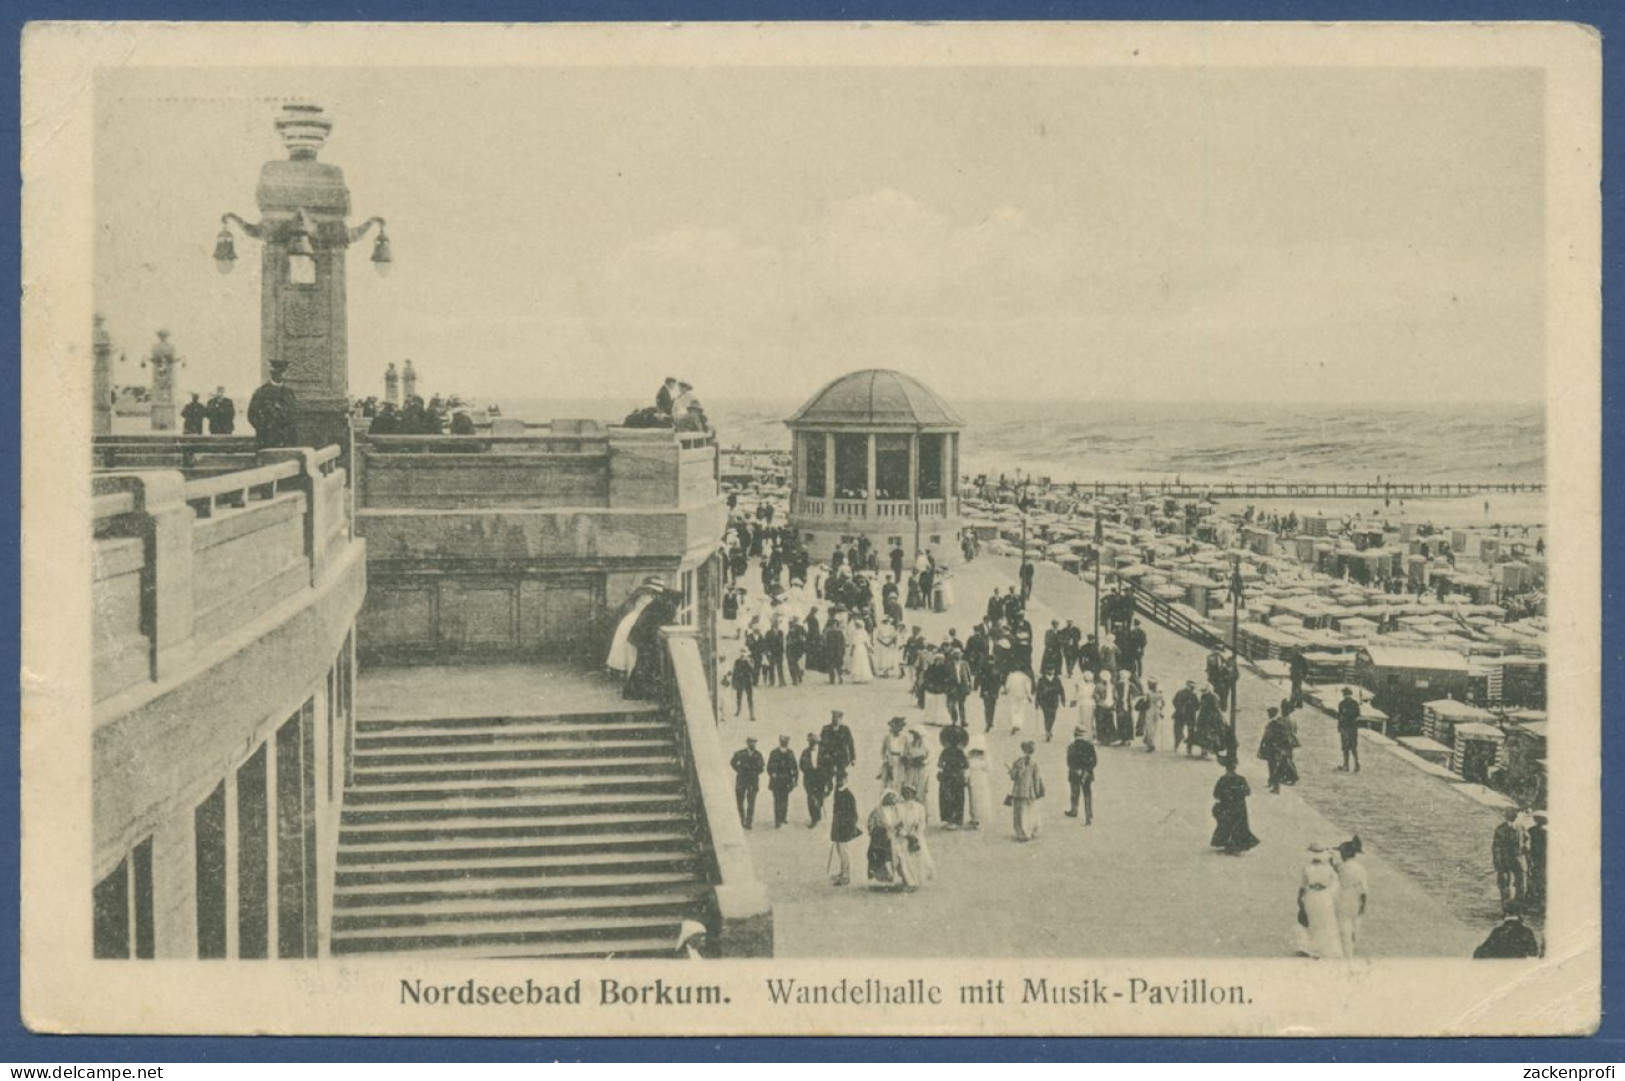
x=847, y=619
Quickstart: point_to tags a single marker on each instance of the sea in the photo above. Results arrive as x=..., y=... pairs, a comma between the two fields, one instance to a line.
x=1192, y=442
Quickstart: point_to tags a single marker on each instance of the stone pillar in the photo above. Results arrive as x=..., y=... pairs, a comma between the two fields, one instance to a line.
x=392, y=385
x=829, y=467
x=101, y=381
x=871, y=496
x=303, y=313
x=163, y=361
x=409, y=382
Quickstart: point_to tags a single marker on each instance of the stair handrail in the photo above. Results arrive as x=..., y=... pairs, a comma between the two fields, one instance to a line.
x=744, y=909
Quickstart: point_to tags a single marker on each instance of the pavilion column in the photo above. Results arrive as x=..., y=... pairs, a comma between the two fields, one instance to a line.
x=798, y=463
x=829, y=468
x=869, y=480
x=913, y=470
x=947, y=466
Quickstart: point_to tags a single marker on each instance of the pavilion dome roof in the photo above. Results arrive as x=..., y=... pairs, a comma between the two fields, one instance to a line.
x=875, y=398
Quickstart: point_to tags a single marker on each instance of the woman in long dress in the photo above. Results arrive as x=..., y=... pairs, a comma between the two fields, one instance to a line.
x=1232, y=834
x=859, y=667
x=1318, y=935
x=977, y=786
x=882, y=859
x=1276, y=749
x=916, y=759
x=888, y=654
x=913, y=855
x=1105, y=719
x=951, y=774
x=1354, y=888
x=1018, y=699
x=623, y=655
x=1211, y=734
x=1159, y=723
x=1026, y=790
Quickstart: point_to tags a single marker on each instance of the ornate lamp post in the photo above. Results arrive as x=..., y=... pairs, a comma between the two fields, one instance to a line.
x=1236, y=589
x=303, y=319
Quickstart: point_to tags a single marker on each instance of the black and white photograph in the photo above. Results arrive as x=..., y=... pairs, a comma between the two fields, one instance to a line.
x=888, y=529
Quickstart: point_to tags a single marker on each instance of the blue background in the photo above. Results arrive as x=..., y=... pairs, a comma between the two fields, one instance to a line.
x=17, y=1045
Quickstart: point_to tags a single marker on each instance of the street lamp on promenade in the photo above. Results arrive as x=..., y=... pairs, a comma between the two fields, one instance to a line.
x=303, y=315
x=1236, y=588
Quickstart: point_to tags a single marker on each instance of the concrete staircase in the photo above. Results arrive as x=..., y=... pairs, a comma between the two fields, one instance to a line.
x=549, y=836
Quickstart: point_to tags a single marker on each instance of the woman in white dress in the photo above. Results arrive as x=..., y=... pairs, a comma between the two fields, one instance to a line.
x=1159, y=723
x=1018, y=699
x=1318, y=892
x=888, y=650
x=978, y=787
x=1353, y=890
x=859, y=666
x=913, y=854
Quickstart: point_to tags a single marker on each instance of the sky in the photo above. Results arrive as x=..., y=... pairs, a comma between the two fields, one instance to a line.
x=1287, y=234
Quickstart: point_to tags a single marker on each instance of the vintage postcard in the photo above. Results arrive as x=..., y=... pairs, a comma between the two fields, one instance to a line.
x=1031, y=529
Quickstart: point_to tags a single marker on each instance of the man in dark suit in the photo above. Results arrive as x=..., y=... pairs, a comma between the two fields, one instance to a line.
x=782, y=775
x=270, y=410
x=813, y=784
x=1080, y=774
x=1136, y=645
x=773, y=654
x=666, y=395
x=836, y=751
x=795, y=648
x=192, y=415
x=835, y=651
x=222, y=413
x=747, y=766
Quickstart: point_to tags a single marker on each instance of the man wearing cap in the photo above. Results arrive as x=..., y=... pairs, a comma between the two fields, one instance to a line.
x=836, y=751
x=1080, y=773
x=813, y=784
x=270, y=410
x=1186, y=703
x=1348, y=730
x=782, y=775
x=747, y=766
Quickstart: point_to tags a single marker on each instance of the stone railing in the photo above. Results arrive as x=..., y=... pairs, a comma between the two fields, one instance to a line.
x=193, y=455
x=578, y=465
x=859, y=508
x=180, y=564
x=743, y=922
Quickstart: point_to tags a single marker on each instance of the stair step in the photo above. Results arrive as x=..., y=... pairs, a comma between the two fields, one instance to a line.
x=386, y=913
x=361, y=850
x=556, y=936
x=514, y=946
x=408, y=750
x=518, y=867
x=470, y=827
x=514, y=735
x=513, y=887
x=522, y=791
x=554, y=722
x=643, y=764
